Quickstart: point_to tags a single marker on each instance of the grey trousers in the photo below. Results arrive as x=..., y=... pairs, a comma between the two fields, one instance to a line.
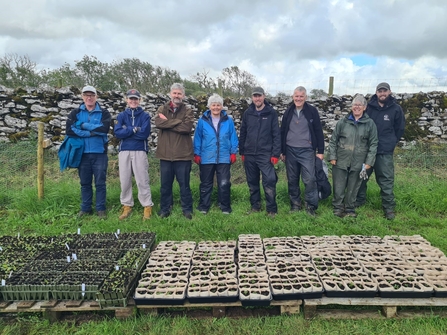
x=136, y=163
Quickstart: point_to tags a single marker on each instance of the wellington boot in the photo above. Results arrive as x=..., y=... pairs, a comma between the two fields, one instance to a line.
x=126, y=212
x=147, y=213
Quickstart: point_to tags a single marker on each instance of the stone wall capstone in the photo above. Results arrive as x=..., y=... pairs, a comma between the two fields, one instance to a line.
x=22, y=109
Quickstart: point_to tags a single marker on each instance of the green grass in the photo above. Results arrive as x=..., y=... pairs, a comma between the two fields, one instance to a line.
x=421, y=196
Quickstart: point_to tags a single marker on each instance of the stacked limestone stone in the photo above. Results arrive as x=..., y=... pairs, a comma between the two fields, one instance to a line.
x=22, y=109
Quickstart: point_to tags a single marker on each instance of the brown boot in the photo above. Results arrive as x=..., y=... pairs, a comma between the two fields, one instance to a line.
x=147, y=213
x=126, y=212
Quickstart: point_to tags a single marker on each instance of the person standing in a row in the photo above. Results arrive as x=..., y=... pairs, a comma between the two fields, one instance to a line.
x=352, y=152
x=301, y=141
x=260, y=147
x=174, y=149
x=215, y=148
x=91, y=123
x=133, y=127
x=389, y=118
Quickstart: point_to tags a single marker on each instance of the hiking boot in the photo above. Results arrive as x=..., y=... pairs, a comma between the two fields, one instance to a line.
x=147, y=213
x=311, y=211
x=102, y=214
x=295, y=209
x=359, y=204
x=126, y=212
x=83, y=213
x=163, y=215
x=338, y=212
x=187, y=215
x=390, y=215
x=351, y=214
x=253, y=210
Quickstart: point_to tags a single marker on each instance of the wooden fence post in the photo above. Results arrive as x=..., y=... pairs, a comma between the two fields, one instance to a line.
x=331, y=86
x=40, y=177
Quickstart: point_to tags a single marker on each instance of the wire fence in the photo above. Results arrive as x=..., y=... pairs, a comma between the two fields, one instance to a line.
x=18, y=163
x=349, y=85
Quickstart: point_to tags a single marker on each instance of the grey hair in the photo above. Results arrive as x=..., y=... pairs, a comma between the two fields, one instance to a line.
x=178, y=86
x=300, y=89
x=359, y=98
x=215, y=99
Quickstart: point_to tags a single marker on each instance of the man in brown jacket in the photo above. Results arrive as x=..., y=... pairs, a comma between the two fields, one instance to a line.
x=175, y=121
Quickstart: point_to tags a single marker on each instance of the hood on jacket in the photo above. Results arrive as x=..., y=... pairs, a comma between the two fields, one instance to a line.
x=374, y=102
x=207, y=114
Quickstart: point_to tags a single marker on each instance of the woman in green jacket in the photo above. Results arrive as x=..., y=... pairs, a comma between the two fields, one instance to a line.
x=352, y=147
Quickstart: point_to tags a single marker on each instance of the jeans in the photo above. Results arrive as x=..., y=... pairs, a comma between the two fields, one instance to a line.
x=181, y=170
x=93, y=165
x=301, y=161
x=384, y=170
x=222, y=172
x=254, y=165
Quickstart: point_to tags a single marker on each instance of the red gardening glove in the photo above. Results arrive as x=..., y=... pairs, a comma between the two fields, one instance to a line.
x=274, y=160
x=243, y=158
x=232, y=158
x=197, y=159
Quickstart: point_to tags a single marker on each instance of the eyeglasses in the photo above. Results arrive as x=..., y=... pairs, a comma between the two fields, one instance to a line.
x=89, y=95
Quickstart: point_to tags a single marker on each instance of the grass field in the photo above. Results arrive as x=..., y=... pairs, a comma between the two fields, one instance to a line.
x=421, y=193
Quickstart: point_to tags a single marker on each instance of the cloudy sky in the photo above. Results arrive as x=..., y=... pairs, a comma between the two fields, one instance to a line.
x=284, y=43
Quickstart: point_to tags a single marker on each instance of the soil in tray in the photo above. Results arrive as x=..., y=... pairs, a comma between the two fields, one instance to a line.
x=118, y=282
x=90, y=265
x=46, y=266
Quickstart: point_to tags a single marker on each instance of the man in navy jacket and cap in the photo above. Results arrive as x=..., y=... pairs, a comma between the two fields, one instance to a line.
x=390, y=122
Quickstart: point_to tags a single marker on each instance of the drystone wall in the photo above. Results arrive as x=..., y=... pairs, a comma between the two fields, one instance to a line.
x=22, y=109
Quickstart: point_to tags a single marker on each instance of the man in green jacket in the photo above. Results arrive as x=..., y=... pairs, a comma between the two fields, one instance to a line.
x=353, y=146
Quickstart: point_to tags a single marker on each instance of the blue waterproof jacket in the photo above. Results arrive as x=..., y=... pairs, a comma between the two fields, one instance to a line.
x=215, y=147
x=126, y=122
x=92, y=126
x=70, y=152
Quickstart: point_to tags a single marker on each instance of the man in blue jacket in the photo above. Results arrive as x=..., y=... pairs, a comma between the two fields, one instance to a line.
x=91, y=123
x=260, y=147
x=301, y=140
x=133, y=127
x=390, y=121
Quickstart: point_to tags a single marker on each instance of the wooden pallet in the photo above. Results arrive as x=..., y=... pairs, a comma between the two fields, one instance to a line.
x=220, y=309
x=388, y=307
x=52, y=309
